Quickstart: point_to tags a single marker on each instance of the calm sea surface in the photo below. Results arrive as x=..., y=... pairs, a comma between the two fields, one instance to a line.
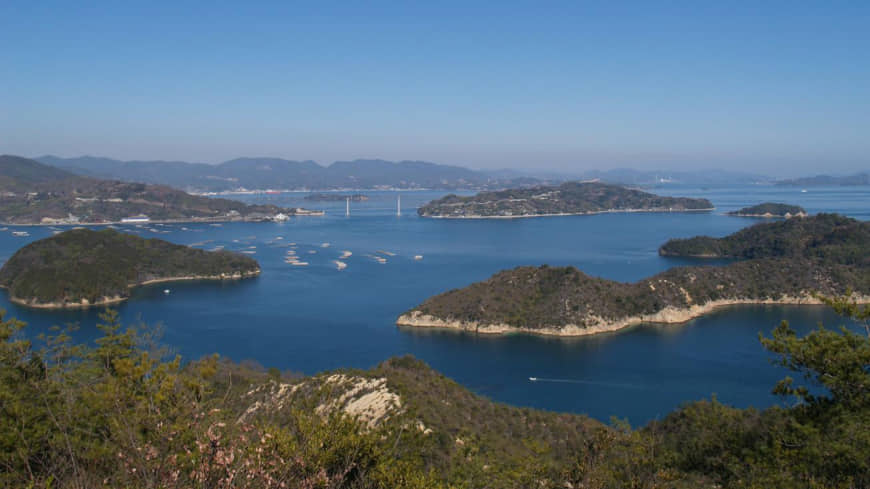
x=310, y=319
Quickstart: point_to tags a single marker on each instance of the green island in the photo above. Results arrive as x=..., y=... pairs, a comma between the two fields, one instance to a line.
x=830, y=237
x=33, y=193
x=571, y=198
x=85, y=268
x=123, y=412
x=785, y=262
x=770, y=209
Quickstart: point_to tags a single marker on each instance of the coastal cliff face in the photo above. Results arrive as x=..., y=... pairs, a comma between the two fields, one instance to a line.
x=785, y=263
x=83, y=268
x=567, y=199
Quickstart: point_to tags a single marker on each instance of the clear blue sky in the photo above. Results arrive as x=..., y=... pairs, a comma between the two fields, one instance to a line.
x=776, y=87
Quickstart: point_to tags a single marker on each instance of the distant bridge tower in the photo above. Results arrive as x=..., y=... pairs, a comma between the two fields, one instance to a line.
x=347, y=207
x=399, y=205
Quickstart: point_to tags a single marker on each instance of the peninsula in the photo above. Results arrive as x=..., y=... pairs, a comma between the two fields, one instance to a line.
x=786, y=262
x=33, y=193
x=83, y=268
x=571, y=198
x=770, y=210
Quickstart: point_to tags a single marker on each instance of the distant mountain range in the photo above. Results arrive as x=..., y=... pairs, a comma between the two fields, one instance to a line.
x=35, y=193
x=277, y=173
x=822, y=180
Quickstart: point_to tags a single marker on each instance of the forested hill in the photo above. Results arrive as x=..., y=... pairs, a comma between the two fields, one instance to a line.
x=785, y=262
x=568, y=198
x=82, y=267
x=33, y=193
x=770, y=209
x=829, y=237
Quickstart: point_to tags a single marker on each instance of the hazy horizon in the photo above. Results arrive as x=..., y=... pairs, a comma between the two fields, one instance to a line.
x=776, y=89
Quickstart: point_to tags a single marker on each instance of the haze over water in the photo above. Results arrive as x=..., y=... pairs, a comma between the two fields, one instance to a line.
x=313, y=318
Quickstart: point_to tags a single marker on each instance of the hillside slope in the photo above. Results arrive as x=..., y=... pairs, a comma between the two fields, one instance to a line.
x=33, y=193
x=81, y=267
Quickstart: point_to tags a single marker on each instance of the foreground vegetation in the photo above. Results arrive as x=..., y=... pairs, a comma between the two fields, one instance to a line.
x=86, y=267
x=121, y=413
x=568, y=198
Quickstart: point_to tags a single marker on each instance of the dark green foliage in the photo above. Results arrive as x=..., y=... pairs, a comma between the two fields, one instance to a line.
x=121, y=413
x=829, y=254
x=568, y=198
x=828, y=237
x=771, y=209
x=557, y=296
x=85, y=264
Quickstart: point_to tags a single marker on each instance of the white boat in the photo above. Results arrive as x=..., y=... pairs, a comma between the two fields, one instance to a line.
x=418, y=257
x=533, y=379
x=166, y=291
x=345, y=254
x=325, y=245
x=339, y=264
x=20, y=233
x=300, y=263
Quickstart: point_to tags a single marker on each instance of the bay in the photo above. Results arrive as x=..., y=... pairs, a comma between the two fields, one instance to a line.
x=315, y=318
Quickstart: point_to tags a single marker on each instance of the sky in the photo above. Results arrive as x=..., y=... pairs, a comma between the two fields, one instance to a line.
x=772, y=87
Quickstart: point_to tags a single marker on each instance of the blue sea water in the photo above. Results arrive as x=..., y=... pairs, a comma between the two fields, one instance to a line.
x=314, y=318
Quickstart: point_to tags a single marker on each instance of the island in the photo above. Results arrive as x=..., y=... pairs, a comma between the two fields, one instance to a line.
x=829, y=237
x=85, y=268
x=785, y=262
x=331, y=197
x=769, y=210
x=570, y=198
x=32, y=193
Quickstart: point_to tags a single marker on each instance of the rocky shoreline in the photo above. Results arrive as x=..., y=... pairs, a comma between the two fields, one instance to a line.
x=598, y=325
x=107, y=301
